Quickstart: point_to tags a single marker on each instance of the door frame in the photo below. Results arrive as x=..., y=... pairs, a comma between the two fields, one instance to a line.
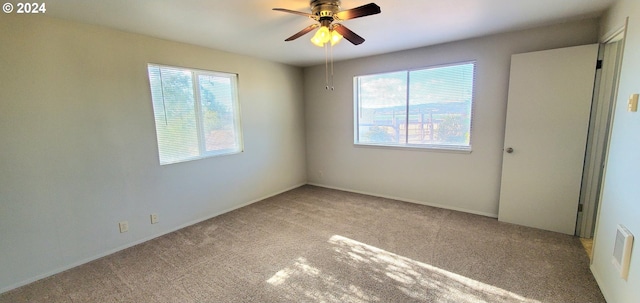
x=604, y=96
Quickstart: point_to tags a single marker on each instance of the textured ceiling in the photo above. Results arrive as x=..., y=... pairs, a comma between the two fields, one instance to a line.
x=250, y=27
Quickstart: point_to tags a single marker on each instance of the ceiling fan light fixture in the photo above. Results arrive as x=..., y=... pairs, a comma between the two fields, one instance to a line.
x=325, y=12
x=317, y=42
x=335, y=37
x=321, y=36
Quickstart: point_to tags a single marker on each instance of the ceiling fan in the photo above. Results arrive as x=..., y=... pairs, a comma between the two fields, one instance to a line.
x=326, y=12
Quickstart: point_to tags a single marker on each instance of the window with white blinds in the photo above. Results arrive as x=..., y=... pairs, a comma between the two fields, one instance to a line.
x=196, y=113
x=423, y=108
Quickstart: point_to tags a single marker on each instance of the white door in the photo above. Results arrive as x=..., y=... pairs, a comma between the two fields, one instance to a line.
x=550, y=95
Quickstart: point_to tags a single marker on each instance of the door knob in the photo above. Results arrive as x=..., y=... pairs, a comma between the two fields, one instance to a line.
x=509, y=150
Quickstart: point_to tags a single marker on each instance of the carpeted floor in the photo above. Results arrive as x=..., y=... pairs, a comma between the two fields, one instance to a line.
x=314, y=244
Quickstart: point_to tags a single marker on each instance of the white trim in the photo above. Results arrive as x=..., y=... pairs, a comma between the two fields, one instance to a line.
x=357, y=110
x=117, y=249
x=599, y=280
x=195, y=74
x=491, y=215
x=616, y=33
x=420, y=147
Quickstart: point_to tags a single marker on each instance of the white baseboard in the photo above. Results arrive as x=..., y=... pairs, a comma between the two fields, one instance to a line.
x=117, y=249
x=128, y=245
x=491, y=215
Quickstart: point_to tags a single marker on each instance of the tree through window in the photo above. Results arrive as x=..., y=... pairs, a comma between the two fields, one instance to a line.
x=196, y=113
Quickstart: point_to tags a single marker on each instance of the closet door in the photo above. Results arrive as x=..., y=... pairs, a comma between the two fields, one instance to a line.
x=550, y=94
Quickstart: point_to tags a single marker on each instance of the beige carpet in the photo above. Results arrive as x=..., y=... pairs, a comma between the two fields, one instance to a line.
x=319, y=245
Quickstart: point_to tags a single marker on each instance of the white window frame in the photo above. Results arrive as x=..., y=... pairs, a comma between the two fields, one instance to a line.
x=235, y=108
x=435, y=147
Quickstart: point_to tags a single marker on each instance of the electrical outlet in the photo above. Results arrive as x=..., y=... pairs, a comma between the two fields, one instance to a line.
x=154, y=218
x=124, y=226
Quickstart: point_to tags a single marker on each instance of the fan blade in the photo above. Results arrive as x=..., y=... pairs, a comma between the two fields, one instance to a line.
x=348, y=34
x=365, y=10
x=302, y=32
x=284, y=10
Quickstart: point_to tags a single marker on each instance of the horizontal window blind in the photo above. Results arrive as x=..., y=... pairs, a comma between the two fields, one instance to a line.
x=196, y=113
x=424, y=108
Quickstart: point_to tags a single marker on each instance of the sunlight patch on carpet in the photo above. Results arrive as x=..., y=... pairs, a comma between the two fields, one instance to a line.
x=348, y=270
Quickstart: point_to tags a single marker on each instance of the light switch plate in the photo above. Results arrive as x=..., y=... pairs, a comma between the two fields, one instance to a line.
x=633, y=103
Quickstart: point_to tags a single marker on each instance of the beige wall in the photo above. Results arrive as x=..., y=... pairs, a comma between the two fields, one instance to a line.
x=78, y=147
x=620, y=202
x=79, y=151
x=464, y=181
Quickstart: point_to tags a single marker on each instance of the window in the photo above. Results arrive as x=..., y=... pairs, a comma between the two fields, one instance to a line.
x=196, y=113
x=425, y=108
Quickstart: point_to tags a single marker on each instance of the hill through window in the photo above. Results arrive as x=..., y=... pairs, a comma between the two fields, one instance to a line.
x=423, y=108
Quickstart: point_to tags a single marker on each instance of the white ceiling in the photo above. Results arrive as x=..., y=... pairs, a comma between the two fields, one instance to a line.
x=250, y=27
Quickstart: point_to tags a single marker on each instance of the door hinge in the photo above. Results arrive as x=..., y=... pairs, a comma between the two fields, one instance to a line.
x=579, y=208
x=599, y=64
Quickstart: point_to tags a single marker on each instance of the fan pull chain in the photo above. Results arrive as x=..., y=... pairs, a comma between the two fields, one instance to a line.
x=326, y=67
x=332, y=88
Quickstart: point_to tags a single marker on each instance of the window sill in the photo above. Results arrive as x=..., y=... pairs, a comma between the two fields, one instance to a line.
x=429, y=148
x=203, y=156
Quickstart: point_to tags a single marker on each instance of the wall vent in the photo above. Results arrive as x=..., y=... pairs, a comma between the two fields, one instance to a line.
x=622, y=251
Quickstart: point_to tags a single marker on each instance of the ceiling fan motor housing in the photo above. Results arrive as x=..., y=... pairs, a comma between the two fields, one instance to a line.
x=325, y=9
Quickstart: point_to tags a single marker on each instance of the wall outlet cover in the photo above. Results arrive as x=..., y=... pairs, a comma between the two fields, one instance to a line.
x=154, y=218
x=124, y=226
